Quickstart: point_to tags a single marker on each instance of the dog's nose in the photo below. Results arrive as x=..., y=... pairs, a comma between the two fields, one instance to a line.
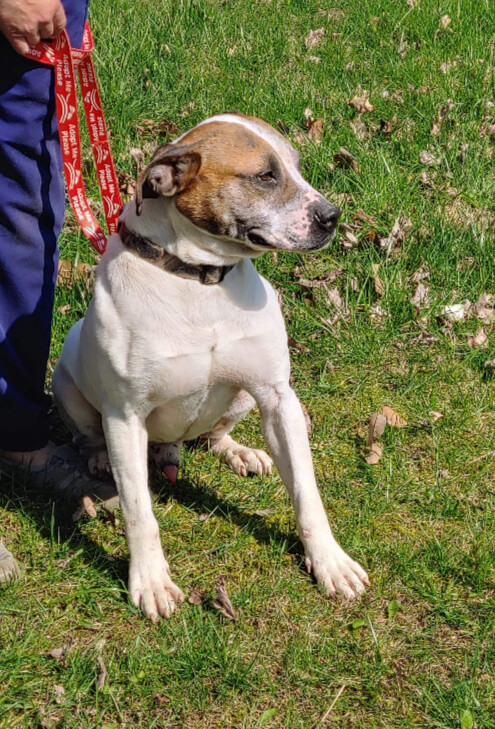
x=326, y=215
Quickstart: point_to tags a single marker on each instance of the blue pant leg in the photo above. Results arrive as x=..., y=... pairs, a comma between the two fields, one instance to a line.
x=31, y=215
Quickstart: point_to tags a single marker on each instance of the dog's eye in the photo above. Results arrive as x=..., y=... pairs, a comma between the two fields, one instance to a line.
x=267, y=177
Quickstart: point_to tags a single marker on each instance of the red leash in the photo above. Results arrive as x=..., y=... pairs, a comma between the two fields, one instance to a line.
x=60, y=54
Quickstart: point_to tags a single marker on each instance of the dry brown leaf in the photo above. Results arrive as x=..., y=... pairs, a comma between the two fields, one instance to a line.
x=315, y=130
x=361, y=215
x=377, y=425
x=358, y=128
x=360, y=102
x=318, y=281
x=400, y=229
x=385, y=127
x=349, y=238
x=60, y=653
x=420, y=299
x=294, y=344
x=263, y=512
x=196, y=596
x=377, y=313
x=393, y=418
x=59, y=691
x=435, y=415
x=314, y=37
x=437, y=122
x=456, y=312
x=483, y=309
x=487, y=130
x=480, y=339
x=428, y=159
x=127, y=183
x=490, y=364
x=378, y=283
x=346, y=160
x=445, y=21
x=68, y=273
x=420, y=275
x=102, y=676
x=64, y=309
x=222, y=600
x=334, y=297
x=137, y=155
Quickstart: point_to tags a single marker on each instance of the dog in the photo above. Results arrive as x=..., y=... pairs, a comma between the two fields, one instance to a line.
x=183, y=338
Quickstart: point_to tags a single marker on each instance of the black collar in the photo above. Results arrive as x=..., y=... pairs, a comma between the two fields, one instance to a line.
x=156, y=254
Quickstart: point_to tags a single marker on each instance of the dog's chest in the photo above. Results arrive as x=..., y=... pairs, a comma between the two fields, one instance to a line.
x=185, y=349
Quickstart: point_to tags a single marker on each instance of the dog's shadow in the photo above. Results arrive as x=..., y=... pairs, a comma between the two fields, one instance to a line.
x=54, y=521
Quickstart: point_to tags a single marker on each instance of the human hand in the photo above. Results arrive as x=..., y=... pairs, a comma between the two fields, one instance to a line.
x=25, y=22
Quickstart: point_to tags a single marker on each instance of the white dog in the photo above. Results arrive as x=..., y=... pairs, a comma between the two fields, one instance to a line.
x=183, y=337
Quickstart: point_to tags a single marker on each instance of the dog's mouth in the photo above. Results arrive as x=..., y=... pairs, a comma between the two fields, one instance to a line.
x=257, y=240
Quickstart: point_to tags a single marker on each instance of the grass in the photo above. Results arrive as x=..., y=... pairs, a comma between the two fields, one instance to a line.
x=418, y=650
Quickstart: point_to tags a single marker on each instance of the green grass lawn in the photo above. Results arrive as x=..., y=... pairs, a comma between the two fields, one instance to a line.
x=418, y=650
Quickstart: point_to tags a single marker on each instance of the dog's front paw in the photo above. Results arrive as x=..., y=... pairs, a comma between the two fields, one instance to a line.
x=245, y=460
x=337, y=573
x=151, y=588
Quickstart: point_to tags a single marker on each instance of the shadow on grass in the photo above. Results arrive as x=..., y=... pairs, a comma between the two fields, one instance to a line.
x=54, y=523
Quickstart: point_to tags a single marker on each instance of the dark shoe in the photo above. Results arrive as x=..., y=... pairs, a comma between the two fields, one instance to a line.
x=64, y=477
x=9, y=569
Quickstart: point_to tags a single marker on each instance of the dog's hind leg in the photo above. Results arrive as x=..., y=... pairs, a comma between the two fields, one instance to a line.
x=241, y=459
x=83, y=422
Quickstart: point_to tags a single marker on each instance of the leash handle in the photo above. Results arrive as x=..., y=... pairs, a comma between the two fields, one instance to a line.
x=64, y=58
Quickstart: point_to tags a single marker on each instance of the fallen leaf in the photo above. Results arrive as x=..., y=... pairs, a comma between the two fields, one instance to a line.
x=480, y=339
x=377, y=313
x=377, y=282
x=64, y=309
x=59, y=691
x=68, y=272
x=102, y=676
x=314, y=37
x=490, y=364
x=315, y=131
x=435, y=415
x=420, y=275
x=393, y=418
x=400, y=229
x=358, y=127
x=222, y=600
x=294, y=344
x=137, y=155
x=377, y=425
x=445, y=21
x=346, y=160
x=349, y=237
x=456, y=312
x=385, y=127
x=59, y=654
x=426, y=158
x=334, y=297
x=360, y=102
x=483, y=309
x=487, y=130
x=437, y=122
x=318, y=281
x=263, y=512
x=196, y=596
x=420, y=299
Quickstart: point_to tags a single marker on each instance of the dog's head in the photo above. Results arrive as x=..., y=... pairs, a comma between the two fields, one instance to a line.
x=238, y=179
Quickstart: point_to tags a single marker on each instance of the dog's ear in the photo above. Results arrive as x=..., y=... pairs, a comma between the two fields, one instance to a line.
x=170, y=171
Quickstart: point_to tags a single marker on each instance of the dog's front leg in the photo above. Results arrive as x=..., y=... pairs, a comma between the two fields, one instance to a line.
x=150, y=585
x=285, y=433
